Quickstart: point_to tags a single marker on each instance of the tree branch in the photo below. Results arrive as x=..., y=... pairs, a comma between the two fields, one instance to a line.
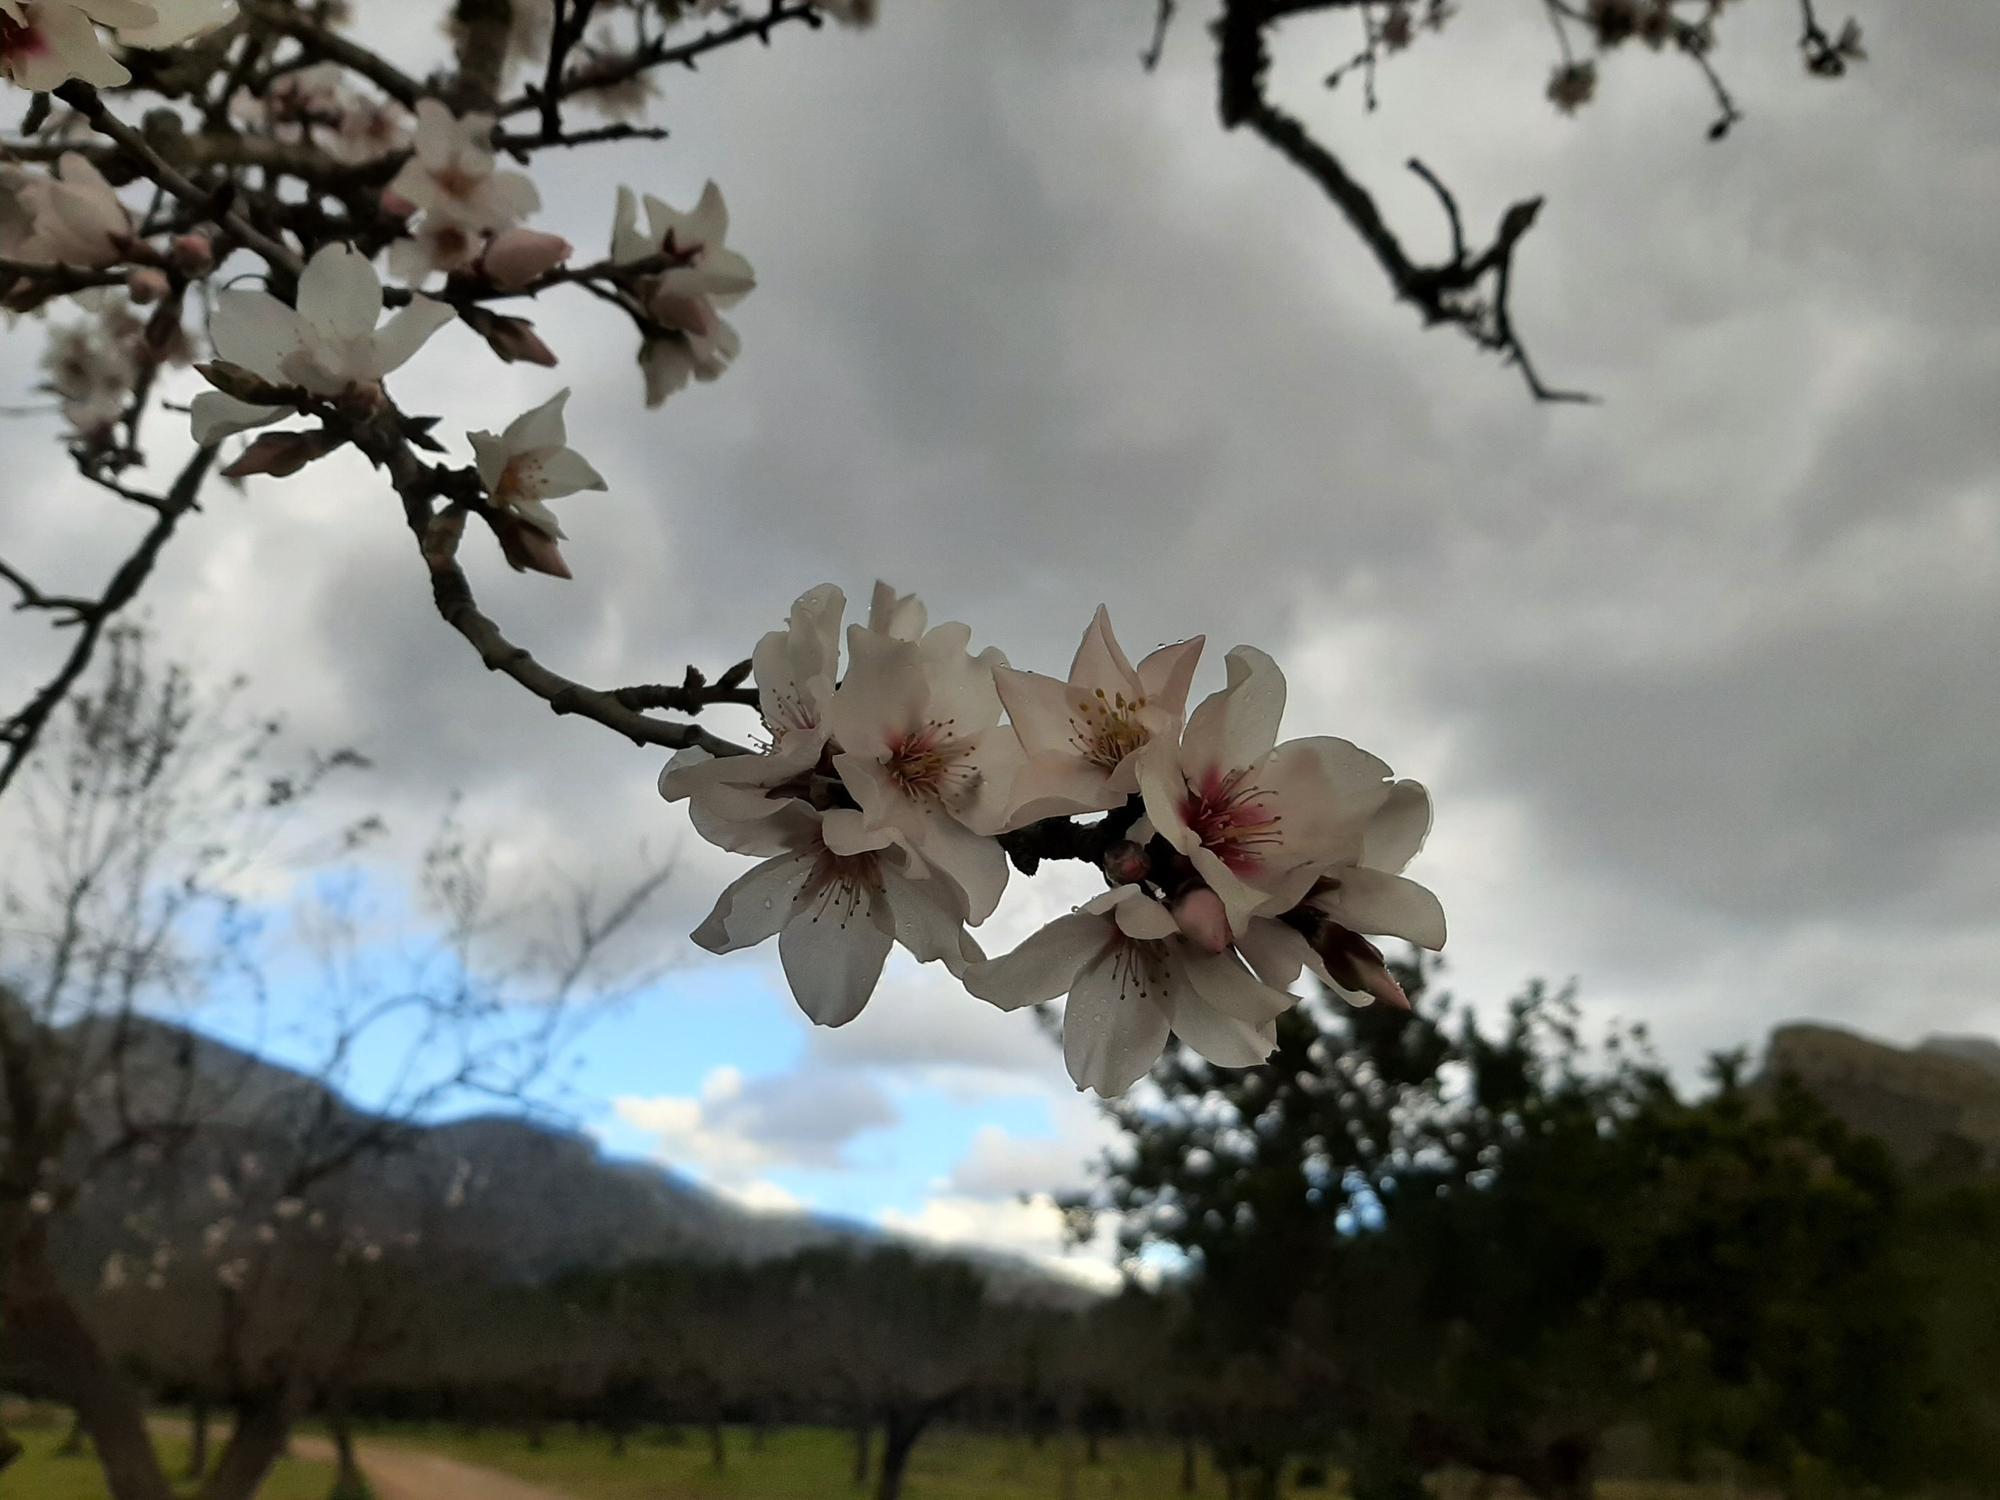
x=1444, y=292
x=20, y=733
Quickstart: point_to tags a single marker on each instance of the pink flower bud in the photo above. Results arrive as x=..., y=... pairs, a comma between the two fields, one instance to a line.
x=513, y=339
x=147, y=285
x=528, y=549
x=193, y=254
x=519, y=256
x=395, y=205
x=1202, y=920
x=1125, y=863
x=283, y=453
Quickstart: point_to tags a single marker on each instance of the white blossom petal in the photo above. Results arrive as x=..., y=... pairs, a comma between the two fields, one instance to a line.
x=833, y=956
x=1044, y=966
x=1114, y=1026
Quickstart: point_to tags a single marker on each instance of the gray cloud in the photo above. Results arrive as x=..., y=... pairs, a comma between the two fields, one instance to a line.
x=1704, y=678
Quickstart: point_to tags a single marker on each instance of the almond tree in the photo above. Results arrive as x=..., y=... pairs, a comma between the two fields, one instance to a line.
x=165, y=825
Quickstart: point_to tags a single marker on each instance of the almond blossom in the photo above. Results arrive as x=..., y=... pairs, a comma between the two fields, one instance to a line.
x=922, y=751
x=329, y=343
x=70, y=217
x=837, y=895
x=1081, y=737
x=526, y=466
x=1258, y=821
x=1349, y=903
x=794, y=669
x=178, y=21
x=47, y=42
x=702, y=277
x=1132, y=978
x=453, y=174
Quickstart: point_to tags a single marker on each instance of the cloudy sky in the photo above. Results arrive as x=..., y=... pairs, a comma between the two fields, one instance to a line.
x=1705, y=680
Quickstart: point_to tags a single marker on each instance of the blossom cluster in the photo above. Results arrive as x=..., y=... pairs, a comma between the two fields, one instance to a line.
x=892, y=797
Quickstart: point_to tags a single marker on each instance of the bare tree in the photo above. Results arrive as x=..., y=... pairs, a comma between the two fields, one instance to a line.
x=178, y=878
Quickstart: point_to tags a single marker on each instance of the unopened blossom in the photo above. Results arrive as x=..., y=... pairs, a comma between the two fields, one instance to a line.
x=923, y=752
x=68, y=217
x=1132, y=977
x=700, y=276
x=1573, y=85
x=329, y=343
x=837, y=895
x=531, y=463
x=1081, y=738
x=454, y=176
x=514, y=258
x=1258, y=820
x=795, y=670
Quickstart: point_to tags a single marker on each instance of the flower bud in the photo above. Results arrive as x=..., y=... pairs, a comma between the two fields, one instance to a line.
x=1125, y=863
x=283, y=453
x=1202, y=920
x=193, y=254
x=518, y=256
x=513, y=339
x=528, y=549
x=1355, y=964
x=395, y=205
x=147, y=285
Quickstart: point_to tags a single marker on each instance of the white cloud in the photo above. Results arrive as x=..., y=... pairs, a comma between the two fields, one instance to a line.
x=735, y=1129
x=1031, y=1228
x=1003, y=1165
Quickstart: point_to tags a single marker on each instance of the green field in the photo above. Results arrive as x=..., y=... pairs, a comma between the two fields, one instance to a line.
x=791, y=1464
x=42, y=1474
x=813, y=1463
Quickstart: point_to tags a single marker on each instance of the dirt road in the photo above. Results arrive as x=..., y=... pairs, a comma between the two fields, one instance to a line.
x=399, y=1474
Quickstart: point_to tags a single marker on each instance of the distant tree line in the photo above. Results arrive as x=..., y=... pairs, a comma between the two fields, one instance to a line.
x=1409, y=1245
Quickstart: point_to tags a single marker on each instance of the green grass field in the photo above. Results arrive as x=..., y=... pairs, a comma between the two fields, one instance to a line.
x=42, y=1474
x=792, y=1464
x=815, y=1463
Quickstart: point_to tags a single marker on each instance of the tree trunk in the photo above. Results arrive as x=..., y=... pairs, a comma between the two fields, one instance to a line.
x=349, y=1483
x=864, y=1432
x=718, y=1451
x=900, y=1431
x=263, y=1428
x=757, y=1434
x=1568, y=1470
x=76, y=1442
x=1190, y=1474
x=197, y=1464
x=1091, y=1452
x=1263, y=1481
x=10, y=1449
x=44, y=1326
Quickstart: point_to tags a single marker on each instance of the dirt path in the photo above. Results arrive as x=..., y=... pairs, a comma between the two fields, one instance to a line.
x=400, y=1474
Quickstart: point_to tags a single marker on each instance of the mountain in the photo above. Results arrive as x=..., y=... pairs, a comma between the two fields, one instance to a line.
x=1981, y=1051
x=520, y=1199
x=1936, y=1106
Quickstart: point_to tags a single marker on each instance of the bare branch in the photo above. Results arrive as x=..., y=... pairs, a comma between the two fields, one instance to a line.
x=1444, y=292
x=19, y=733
